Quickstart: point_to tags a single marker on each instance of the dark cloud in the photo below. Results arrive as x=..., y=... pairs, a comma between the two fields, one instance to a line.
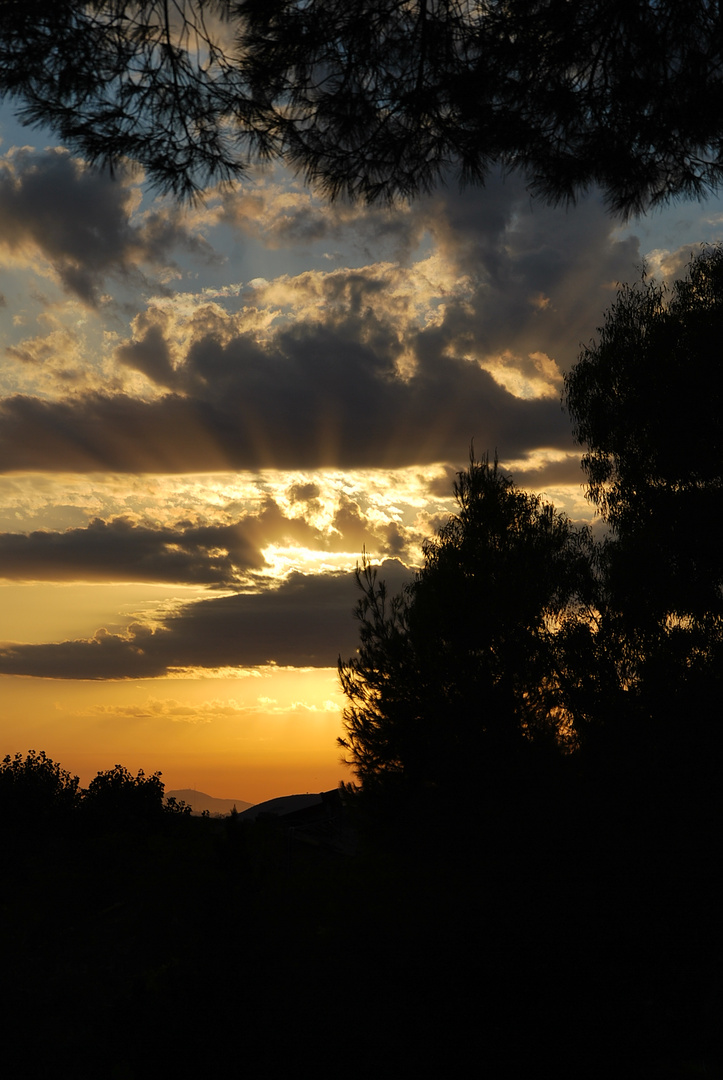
x=307, y=621
x=556, y=473
x=79, y=219
x=544, y=274
x=355, y=380
x=397, y=540
x=317, y=397
x=306, y=493
x=217, y=555
x=121, y=550
x=552, y=473
x=150, y=354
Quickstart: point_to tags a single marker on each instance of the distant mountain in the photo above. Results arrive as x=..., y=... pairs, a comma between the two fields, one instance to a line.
x=200, y=802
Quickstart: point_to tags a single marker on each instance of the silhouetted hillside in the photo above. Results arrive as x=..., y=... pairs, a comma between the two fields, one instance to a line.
x=285, y=804
x=199, y=802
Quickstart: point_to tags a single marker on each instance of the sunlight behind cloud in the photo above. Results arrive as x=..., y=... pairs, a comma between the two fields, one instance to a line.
x=533, y=377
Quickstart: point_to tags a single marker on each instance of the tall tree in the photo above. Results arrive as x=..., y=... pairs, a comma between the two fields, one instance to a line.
x=646, y=401
x=375, y=98
x=467, y=670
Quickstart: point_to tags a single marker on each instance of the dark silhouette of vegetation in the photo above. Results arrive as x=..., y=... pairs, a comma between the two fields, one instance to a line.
x=467, y=670
x=35, y=792
x=117, y=799
x=646, y=402
x=374, y=99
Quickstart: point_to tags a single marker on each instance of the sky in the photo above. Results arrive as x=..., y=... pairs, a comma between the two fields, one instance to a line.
x=208, y=412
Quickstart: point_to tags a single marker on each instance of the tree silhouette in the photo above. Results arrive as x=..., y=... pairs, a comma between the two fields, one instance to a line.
x=36, y=791
x=376, y=99
x=469, y=669
x=646, y=401
x=116, y=799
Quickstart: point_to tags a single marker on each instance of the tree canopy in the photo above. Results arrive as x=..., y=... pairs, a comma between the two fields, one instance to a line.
x=467, y=669
x=646, y=400
x=36, y=790
x=374, y=98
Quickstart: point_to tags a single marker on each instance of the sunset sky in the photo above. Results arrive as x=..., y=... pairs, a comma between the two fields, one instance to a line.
x=207, y=412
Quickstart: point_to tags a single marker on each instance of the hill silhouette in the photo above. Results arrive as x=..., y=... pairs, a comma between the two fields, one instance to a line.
x=283, y=805
x=199, y=801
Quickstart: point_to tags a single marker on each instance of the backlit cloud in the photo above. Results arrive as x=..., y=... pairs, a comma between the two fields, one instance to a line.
x=120, y=550
x=305, y=622
x=212, y=553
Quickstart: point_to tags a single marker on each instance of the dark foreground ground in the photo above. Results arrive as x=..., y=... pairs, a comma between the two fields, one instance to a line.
x=215, y=949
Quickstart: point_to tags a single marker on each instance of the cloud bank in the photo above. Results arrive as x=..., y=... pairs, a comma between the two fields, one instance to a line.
x=308, y=621
x=381, y=365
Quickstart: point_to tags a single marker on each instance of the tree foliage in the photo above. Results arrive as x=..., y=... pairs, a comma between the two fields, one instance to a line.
x=468, y=668
x=646, y=401
x=35, y=790
x=375, y=98
x=118, y=799
x=145, y=80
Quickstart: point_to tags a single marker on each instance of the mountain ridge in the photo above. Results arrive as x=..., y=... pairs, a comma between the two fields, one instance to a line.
x=200, y=802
